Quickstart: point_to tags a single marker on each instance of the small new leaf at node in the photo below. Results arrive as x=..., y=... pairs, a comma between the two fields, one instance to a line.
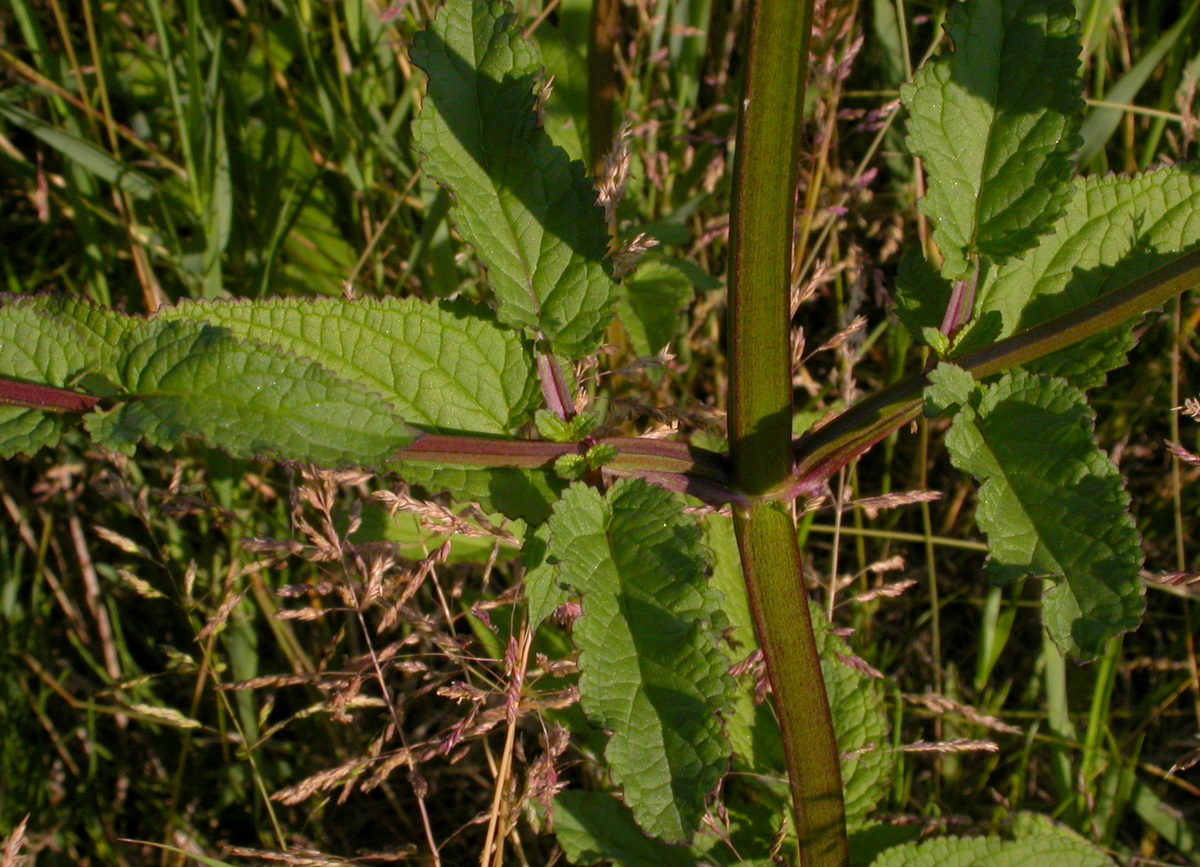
x=949, y=388
x=528, y=211
x=996, y=121
x=571, y=467
x=1052, y=505
x=558, y=430
x=651, y=671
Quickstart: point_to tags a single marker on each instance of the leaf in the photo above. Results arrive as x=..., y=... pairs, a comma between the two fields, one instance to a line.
x=949, y=388
x=1115, y=230
x=82, y=152
x=1059, y=849
x=50, y=340
x=527, y=210
x=651, y=671
x=594, y=826
x=922, y=294
x=652, y=303
x=1052, y=505
x=183, y=379
x=444, y=367
x=996, y=122
x=518, y=494
x=859, y=721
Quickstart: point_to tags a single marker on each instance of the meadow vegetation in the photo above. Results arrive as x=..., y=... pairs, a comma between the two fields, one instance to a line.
x=240, y=659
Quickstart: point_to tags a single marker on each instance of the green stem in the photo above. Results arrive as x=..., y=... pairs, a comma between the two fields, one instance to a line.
x=771, y=562
x=821, y=453
x=760, y=400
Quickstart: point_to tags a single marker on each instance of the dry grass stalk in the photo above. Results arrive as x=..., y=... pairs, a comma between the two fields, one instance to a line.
x=10, y=852
x=958, y=745
x=941, y=705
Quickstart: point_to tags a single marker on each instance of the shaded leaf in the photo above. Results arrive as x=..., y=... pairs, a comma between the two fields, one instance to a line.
x=519, y=494
x=652, y=303
x=859, y=721
x=593, y=827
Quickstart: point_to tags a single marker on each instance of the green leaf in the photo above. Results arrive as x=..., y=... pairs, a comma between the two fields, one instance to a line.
x=527, y=210
x=949, y=388
x=594, y=826
x=1058, y=849
x=996, y=122
x=1115, y=230
x=922, y=294
x=83, y=153
x=55, y=341
x=859, y=721
x=183, y=379
x=651, y=671
x=652, y=303
x=444, y=367
x=1052, y=505
x=518, y=494
x=542, y=590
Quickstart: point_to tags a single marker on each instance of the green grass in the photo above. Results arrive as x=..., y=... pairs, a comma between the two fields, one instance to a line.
x=153, y=152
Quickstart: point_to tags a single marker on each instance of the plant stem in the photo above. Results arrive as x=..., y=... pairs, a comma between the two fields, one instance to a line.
x=821, y=453
x=602, y=79
x=771, y=562
x=760, y=399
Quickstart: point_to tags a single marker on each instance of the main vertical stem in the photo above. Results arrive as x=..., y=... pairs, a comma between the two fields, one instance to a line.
x=761, y=227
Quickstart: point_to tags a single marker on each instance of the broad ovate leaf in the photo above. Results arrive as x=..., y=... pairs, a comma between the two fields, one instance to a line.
x=177, y=380
x=1115, y=230
x=1053, y=506
x=443, y=367
x=652, y=673
x=996, y=121
x=528, y=211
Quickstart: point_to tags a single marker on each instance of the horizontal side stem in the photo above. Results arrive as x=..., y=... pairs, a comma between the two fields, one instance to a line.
x=821, y=453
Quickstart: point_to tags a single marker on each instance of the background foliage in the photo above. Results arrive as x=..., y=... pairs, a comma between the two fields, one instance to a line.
x=154, y=152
